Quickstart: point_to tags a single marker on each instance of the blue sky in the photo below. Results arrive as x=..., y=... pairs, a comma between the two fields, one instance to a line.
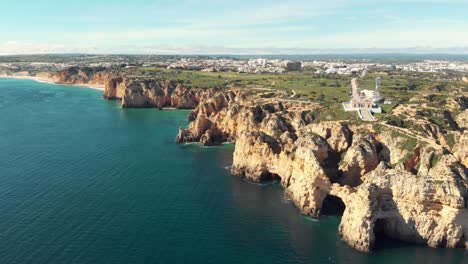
x=239, y=26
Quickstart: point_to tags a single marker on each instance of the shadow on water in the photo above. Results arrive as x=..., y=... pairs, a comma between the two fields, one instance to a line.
x=384, y=242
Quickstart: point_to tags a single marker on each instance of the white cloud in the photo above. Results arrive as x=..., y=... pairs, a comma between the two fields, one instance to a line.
x=41, y=48
x=14, y=47
x=437, y=37
x=256, y=27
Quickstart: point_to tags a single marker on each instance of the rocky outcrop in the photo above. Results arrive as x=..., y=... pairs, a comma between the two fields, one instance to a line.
x=114, y=88
x=390, y=184
x=155, y=94
x=93, y=76
x=260, y=157
x=390, y=181
x=338, y=135
x=462, y=119
x=231, y=113
x=134, y=92
x=392, y=150
x=151, y=93
x=361, y=158
x=460, y=150
x=427, y=209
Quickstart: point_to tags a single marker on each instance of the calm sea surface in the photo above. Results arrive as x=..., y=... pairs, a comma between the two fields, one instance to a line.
x=84, y=181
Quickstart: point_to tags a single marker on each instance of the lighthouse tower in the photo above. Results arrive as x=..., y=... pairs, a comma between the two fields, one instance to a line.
x=378, y=82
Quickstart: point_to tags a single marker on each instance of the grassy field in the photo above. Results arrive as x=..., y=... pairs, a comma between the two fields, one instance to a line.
x=306, y=85
x=401, y=86
x=328, y=90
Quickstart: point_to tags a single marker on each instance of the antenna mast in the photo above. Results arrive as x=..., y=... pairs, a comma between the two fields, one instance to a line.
x=378, y=82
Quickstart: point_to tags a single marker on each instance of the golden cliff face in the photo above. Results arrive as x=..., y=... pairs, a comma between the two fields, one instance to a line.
x=136, y=93
x=133, y=92
x=82, y=76
x=424, y=209
x=415, y=194
x=460, y=149
x=390, y=185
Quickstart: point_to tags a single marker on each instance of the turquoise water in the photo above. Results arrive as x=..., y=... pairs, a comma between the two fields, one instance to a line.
x=84, y=181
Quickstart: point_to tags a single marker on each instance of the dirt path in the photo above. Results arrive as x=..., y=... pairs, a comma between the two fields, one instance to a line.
x=410, y=133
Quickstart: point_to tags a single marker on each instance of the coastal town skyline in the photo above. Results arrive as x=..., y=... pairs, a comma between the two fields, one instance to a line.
x=241, y=27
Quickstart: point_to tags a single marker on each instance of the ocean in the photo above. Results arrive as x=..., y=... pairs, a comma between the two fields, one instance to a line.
x=84, y=181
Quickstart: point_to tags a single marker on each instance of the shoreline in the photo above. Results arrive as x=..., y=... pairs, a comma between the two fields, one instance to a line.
x=45, y=80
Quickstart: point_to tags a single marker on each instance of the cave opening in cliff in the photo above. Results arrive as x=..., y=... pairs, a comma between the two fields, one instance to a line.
x=268, y=176
x=379, y=234
x=382, y=240
x=333, y=205
x=379, y=227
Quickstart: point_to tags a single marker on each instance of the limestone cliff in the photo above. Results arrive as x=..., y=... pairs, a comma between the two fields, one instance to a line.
x=133, y=91
x=93, y=76
x=393, y=181
x=150, y=93
x=426, y=209
x=389, y=186
x=460, y=149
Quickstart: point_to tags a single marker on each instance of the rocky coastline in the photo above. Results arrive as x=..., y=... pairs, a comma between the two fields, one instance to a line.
x=418, y=194
x=131, y=91
x=386, y=184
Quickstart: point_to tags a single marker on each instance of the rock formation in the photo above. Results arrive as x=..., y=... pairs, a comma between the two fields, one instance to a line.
x=426, y=209
x=133, y=92
x=414, y=194
x=402, y=185
x=95, y=76
x=359, y=159
x=151, y=93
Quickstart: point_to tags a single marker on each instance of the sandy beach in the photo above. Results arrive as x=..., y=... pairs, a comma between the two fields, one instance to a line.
x=46, y=80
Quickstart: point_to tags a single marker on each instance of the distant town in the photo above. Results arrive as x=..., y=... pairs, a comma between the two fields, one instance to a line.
x=12, y=64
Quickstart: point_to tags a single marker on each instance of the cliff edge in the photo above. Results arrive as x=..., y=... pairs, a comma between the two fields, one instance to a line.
x=389, y=183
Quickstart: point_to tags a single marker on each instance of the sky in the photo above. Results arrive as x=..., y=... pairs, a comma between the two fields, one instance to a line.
x=233, y=27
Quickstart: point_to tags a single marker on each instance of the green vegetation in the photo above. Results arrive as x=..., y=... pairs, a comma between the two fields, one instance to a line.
x=329, y=90
x=324, y=88
x=400, y=121
x=409, y=144
x=306, y=85
x=435, y=159
x=439, y=121
x=387, y=108
x=379, y=128
x=450, y=139
x=335, y=112
x=397, y=121
x=402, y=86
